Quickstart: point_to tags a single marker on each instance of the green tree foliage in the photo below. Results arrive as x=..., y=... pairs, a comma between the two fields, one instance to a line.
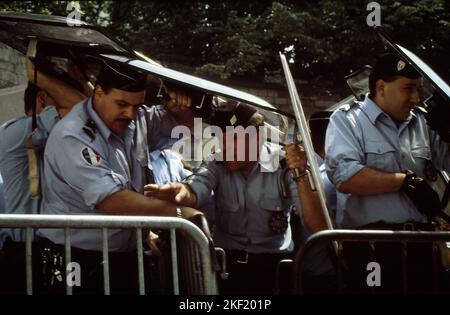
x=324, y=40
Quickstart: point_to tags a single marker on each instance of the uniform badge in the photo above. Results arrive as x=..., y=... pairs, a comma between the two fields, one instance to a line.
x=90, y=156
x=430, y=171
x=278, y=222
x=400, y=65
x=233, y=120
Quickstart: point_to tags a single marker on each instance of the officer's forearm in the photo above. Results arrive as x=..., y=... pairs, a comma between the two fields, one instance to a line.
x=369, y=181
x=311, y=208
x=127, y=202
x=65, y=96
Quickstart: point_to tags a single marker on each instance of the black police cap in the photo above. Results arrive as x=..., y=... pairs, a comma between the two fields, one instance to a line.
x=239, y=116
x=121, y=77
x=390, y=64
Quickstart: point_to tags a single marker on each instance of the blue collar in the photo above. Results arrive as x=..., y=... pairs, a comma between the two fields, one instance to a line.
x=155, y=154
x=373, y=111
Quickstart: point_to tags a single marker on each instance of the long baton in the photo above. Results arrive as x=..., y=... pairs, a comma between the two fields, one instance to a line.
x=304, y=131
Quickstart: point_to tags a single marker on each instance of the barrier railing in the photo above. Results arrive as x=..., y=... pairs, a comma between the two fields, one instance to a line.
x=371, y=237
x=194, y=273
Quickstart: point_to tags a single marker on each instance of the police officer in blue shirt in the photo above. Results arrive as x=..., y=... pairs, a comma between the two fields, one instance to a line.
x=382, y=156
x=52, y=99
x=252, y=215
x=96, y=162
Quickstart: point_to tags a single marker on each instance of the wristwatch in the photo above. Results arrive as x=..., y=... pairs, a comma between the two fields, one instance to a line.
x=179, y=214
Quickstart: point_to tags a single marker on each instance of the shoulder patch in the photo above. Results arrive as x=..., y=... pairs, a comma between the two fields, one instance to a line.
x=90, y=156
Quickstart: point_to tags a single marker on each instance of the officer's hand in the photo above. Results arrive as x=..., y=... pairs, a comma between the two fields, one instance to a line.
x=153, y=243
x=421, y=194
x=174, y=192
x=179, y=101
x=296, y=157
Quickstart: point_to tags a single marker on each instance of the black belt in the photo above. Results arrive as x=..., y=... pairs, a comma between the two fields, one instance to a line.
x=406, y=226
x=244, y=257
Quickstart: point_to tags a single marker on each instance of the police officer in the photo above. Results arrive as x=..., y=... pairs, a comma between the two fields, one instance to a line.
x=96, y=163
x=383, y=157
x=52, y=99
x=251, y=219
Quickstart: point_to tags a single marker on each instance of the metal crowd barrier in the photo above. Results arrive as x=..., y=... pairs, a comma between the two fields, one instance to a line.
x=192, y=270
x=371, y=237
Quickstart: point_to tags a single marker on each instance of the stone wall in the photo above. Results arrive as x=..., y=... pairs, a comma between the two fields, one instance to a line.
x=12, y=83
x=279, y=97
x=12, y=67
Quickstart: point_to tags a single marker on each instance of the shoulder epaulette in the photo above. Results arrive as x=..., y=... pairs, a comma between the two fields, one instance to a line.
x=346, y=107
x=90, y=128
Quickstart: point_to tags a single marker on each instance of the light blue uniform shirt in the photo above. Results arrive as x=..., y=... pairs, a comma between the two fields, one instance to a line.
x=166, y=165
x=328, y=187
x=14, y=164
x=363, y=135
x=244, y=204
x=81, y=171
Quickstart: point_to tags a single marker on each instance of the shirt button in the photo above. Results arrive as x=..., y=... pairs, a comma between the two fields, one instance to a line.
x=278, y=208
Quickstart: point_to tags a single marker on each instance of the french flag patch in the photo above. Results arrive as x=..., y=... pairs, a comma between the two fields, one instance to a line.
x=90, y=156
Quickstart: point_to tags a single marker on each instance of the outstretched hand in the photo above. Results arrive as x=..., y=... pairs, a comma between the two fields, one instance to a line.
x=174, y=192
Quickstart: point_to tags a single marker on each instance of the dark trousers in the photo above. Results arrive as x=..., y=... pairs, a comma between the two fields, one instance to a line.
x=250, y=273
x=122, y=267
x=418, y=272
x=411, y=268
x=319, y=284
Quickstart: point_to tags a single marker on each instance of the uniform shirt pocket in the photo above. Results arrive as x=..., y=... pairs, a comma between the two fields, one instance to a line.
x=380, y=155
x=228, y=217
x=271, y=204
x=422, y=164
x=421, y=153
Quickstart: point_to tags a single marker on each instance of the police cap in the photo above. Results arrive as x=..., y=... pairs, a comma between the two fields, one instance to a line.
x=390, y=64
x=121, y=77
x=239, y=116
